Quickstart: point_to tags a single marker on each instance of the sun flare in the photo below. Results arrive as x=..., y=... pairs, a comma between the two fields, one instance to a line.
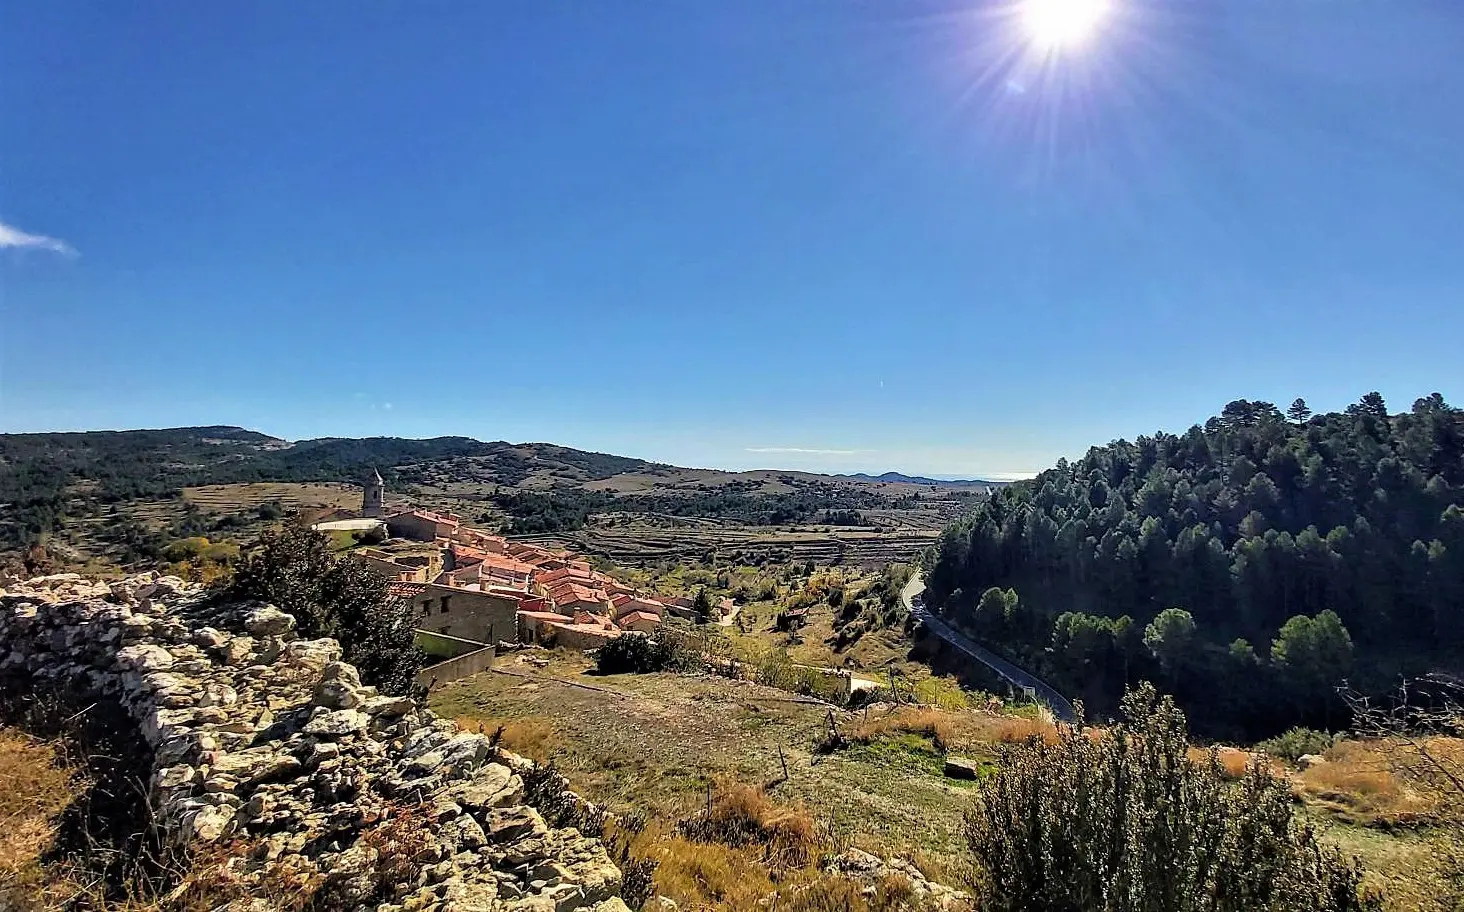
x=1058, y=24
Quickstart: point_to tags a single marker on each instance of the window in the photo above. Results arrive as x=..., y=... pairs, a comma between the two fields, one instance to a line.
x=445, y=599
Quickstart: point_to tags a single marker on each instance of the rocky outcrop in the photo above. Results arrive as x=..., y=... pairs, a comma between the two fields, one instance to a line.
x=871, y=869
x=268, y=746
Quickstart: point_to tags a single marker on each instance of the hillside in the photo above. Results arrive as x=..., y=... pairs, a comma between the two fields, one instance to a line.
x=1252, y=564
x=120, y=496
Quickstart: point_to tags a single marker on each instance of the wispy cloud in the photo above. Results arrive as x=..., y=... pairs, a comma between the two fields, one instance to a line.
x=24, y=240
x=810, y=451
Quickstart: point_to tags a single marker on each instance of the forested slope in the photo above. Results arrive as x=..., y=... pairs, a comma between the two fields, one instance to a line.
x=1297, y=550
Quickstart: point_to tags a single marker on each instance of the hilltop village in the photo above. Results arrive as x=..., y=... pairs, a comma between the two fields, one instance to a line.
x=473, y=585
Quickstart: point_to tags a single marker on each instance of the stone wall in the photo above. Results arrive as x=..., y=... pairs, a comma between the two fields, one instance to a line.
x=466, y=613
x=268, y=746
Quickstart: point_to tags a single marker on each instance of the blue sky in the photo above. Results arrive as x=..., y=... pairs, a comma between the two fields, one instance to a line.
x=830, y=235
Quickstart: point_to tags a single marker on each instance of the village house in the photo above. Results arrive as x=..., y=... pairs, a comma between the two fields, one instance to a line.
x=639, y=621
x=471, y=614
x=480, y=540
x=550, y=578
x=570, y=597
x=626, y=604
x=423, y=525
x=415, y=568
x=467, y=566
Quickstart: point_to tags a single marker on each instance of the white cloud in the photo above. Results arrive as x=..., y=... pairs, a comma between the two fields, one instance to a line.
x=14, y=237
x=811, y=451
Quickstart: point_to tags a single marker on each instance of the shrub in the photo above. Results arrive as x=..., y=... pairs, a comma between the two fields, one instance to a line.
x=1296, y=743
x=185, y=549
x=333, y=596
x=1125, y=821
x=636, y=653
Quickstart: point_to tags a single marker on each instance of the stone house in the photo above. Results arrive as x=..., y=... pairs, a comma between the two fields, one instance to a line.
x=486, y=616
x=423, y=525
x=411, y=568
x=639, y=621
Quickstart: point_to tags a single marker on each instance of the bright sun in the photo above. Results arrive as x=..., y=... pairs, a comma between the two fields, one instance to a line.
x=1058, y=24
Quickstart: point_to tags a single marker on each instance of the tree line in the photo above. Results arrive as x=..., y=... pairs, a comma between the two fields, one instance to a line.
x=1250, y=564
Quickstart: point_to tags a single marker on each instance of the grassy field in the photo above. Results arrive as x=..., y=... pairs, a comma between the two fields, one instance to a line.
x=655, y=743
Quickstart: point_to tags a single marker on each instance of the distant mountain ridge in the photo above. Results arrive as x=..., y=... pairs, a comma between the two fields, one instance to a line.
x=899, y=478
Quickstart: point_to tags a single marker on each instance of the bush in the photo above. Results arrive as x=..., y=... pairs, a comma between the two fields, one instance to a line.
x=636, y=653
x=1125, y=821
x=185, y=549
x=333, y=596
x=1296, y=743
x=373, y=536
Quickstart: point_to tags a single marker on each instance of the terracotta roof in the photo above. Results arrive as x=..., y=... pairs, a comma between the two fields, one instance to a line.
x=644, y=605
x=573, y=593
x=549, y=577
x=508, y=564
x=542, y=615
x=634, y=616
x=445, y=519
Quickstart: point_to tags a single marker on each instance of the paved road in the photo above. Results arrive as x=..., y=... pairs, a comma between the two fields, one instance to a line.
x=1040, y=690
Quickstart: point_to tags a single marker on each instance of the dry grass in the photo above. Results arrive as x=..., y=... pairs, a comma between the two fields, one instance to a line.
x=699, y=875
x=34, y=789
x=1357, y=784
x=743, y=815
x=1015, y=729
x=528, y=736
x=1233, y=761
x=937, y=725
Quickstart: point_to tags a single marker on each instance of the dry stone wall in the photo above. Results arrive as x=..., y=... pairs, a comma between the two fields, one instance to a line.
x=269, y=746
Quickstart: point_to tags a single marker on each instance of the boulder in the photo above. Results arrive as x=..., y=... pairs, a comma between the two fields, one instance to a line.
x=336, y=724
x=962, y=768
x=338, y=687
x=267, y=620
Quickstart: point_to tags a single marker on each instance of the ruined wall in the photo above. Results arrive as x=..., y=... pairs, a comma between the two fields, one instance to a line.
x=270, y=744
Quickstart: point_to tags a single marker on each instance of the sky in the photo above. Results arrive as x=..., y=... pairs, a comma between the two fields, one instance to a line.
x=835, y=235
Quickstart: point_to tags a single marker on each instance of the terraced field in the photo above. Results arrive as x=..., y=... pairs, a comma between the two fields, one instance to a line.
x=639, y=547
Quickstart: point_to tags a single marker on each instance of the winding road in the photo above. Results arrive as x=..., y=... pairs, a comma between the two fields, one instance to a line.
x=1034, y=686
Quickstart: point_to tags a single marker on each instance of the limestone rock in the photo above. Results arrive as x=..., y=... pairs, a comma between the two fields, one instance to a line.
x=267, y=620
x=962, y=768
x=336, y=724
x=338, y=687
x=260, y=736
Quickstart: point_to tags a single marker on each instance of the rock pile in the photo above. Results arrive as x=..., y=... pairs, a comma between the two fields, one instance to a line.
x=871, y=869
x=268, y=745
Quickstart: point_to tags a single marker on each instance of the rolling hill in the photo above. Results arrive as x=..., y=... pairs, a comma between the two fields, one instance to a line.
x=104, y=480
